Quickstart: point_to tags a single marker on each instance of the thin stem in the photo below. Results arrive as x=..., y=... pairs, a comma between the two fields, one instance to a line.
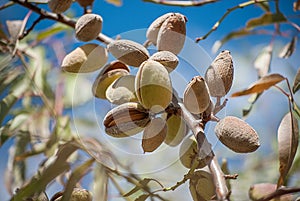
x=118, y=187
x=205, y=151
x=217, y=24
x=58, y=18
x=279, y=192
x=26, y=32
x=181, y=3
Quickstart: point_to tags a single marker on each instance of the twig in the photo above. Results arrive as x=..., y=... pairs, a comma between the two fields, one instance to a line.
x=26, y=32
x=279, y=192
x=205, y=151
x=182, y=3
x=231, y=176
x=59, y=18
x=217, y=24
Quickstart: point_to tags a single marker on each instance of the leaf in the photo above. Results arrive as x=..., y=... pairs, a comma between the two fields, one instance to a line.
x=115, y=2
x=260, y=85
x=234, y=34
x=100, y=183
x=266, y=19
x=288, y=136
x=296, y=85
x=296, y=5
x=76, y=175
x=154, y=134
x=265, y=6
x=263, y=61
x=142, y=197
x=142, y=184
x=14, y=28
x=53, y=167
x=288, y=49
x=252, y=100
x=54, y=29
x=73, y=84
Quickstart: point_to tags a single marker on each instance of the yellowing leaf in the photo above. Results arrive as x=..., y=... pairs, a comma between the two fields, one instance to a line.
x=266, y=19
x=260, y=85
x=288, y=49
x=296, y=85
x=154, y=134
x=115, y=2
x=288, y=134
x=263, y=61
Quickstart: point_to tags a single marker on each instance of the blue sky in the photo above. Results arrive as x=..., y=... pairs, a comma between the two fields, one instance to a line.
x=135, y=15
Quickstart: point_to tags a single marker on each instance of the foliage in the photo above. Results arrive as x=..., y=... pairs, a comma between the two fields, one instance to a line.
x=36, y=99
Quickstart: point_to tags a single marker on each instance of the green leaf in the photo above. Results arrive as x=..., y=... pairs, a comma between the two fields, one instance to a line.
x=266, y=19
x=142, y=197
x=54, y=29
x=234, y=34
x=100, y=183
x=143, y=183
x=53, y=167
x=296, y=85
x=76, y=175
x=264, y=5
x=252, y=100
x=288, y=49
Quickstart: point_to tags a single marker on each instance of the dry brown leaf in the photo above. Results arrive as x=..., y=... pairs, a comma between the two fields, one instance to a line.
x=288, y=133
x=260, y=85
x=296, y=85
x=288, y=49
x=154, y=134
x=115, y=2
x=263, y=61
x=260, y=190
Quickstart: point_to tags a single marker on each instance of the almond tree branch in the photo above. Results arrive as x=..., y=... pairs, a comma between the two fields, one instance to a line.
x=217, y=24
x=182, y=3
x=205, y=151
x=279, y=192
x=58, y=18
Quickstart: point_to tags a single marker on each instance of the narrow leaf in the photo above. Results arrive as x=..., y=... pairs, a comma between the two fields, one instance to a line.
x=143, y=183
x=266, y=19
x=54, y=166
x=76, y=175
x=100, y=184
x=260, y=85
x=14, y=28
x=288, y=135
x=296, y=85
x=115, y=2
x=265, y=6
x=234, y=34
x=154, y=134
x=252, y=100
x=38, y=1
x=288, y=49
x=263, y=61
x=54, y=29
x=142, y=197
x=296, y=5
